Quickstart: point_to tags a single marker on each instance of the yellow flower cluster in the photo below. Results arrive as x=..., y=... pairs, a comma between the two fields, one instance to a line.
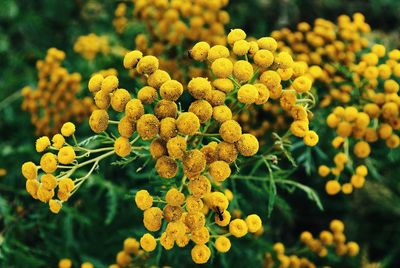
x=67, y=263
x=120, y=20
x=131, y=250
x=285, y=261
x=173, y=26
x=186, y=218
x=372, y=115
x=62, y=158
x=88, y=46
x=325, y=40
x=54, y=100
x=334, y=238
x=177, y=20
x=260, y=76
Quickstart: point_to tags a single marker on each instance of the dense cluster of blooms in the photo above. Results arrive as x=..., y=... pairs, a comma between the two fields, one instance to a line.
x=88, y=46
x=329, y=241
x=229, y=83
x=67, y=263
x=194, y=148
x=54, y=100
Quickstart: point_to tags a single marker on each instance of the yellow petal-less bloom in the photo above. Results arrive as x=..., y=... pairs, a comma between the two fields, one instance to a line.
x=143, y=200
x=188, y=123
x=42, y=144
x=238, y=228
x=148, y=242
x=302, y=84
x=219, y=170
x=68, y=129
x=311, y=138
x=132, y=58
x=48, y=162
x=55, y=206
x=222, y=244
x=200, y=254
x=29, y=170
x=254, y=223
x=58, y=141
x=122, y=147
x=230, y=131
x=66, y=155
x=332, y=187
x=247, y=145
x=362, y=149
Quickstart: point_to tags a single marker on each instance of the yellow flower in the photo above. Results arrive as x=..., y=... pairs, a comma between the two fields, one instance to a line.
x=243, y=70
x=200, y=254
x=279, y=248
x=332, y=187
x=65, y=263
x=171, y=90
x=310, y=138
x=42, y=144
x=199, y=87
x=66, y=155
x=238, y=228
x=263, y=58
x=68, y=129
x=29, y=170
x=352, y=249
x=122, y=147
x=132, y=58
x=147, y=65
x=174, y=197
x=55, y=206
x=247, y=145
x=216, y=52
x=337, y=226
x=199, y=51
x=254, y=223
x=48, y=162
x=188, y=123
x=98, y=121
x=143, y=200
x=166, y=167
x=362, y=149
x=347, y=188
x=236, y=35
x=357, y=181
x=302, y=84
x=119, y=99
x=219, y=170
x=148, y=126
x=58, y=141
x=222, y=67
x=95, y=82
x=299, y=128
x=284, y=60
x=247, y=94
x=241, y=47
x=48, y=181
x=222, y=244
x=323, y=171
x=267, y=43
x=148, y=242
x=131, y=246
x=152, y=218
x=109, y=84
